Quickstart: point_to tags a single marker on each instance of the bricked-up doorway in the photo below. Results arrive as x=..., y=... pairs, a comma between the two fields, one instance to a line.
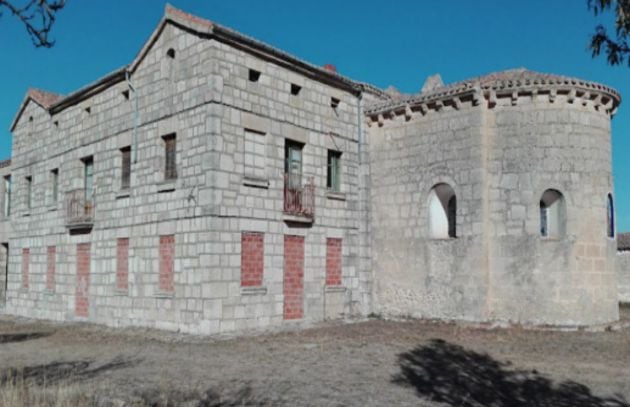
x=293, y=277
x=81, y=302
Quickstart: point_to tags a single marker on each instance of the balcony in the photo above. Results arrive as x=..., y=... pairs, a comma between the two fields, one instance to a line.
x=79, y=211
x=299, y=199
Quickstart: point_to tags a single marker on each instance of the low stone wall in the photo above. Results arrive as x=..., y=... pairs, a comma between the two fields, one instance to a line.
x=623, y=275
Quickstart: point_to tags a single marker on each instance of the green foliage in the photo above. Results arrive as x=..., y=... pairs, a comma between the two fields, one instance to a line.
x=615, y=46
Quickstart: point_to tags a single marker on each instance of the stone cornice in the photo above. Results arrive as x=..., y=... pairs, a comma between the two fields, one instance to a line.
x=495, y=88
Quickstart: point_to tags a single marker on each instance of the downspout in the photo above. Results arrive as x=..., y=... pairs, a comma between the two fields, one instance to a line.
x=136, y=121
x=364, y=197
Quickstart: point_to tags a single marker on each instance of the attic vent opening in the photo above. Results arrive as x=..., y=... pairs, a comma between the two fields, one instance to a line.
x=170, y=53
x=30, y=118
x=334, y=102
x=254, y=75
x=88, y=110
x=125, y=94
x=56, y=123
x=295, y=89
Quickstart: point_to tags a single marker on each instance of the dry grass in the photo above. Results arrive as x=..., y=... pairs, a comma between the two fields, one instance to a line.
x=18, y=392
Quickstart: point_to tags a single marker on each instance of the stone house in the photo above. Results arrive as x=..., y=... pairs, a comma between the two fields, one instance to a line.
x=218, y=184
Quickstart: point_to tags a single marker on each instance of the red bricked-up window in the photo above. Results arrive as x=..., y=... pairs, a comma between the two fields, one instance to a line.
x=122, y=264
x=26, y=254
x=167, y=260
x=333, y=262
x=51, y=260
x=293, y=277
x=81, y=300
x=252, y=259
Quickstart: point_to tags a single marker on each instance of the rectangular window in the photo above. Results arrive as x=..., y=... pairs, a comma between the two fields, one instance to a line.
x=293, y=164
x=255, y=155
x=54, y=179
x=7, y=195
x=167, y=263
x=29, y=192
x=88, y=179
x=170, y=155
x=252, y=259
x=122, y=264
x=125, y=178
x=333, y=178
x=51, y=259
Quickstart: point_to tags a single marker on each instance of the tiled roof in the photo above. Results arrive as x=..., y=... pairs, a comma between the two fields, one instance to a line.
x=5, y=163
x=623, y=241
x=44, y=98
x=498, y=81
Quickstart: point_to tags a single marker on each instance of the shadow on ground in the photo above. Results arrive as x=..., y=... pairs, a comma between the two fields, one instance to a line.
x=56, y=372
x=22, y=337
x=451, y=374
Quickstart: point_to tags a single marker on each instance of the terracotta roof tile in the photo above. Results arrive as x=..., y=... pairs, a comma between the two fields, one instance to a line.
x=46, y=99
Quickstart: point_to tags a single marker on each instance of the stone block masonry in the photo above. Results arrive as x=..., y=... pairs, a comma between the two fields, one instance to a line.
x=211, y=196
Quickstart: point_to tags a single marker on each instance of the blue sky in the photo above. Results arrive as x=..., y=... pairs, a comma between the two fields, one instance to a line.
x=398, y=43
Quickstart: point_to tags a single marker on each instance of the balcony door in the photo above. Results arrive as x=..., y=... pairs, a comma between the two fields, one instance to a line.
x=88, y=179
x=293, y=164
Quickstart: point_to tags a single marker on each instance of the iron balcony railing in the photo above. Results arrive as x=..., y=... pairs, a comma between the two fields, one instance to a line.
x=79, y=210
x=299, y=199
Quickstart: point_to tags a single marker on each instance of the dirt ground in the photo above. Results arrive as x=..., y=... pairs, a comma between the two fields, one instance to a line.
x=370, y=363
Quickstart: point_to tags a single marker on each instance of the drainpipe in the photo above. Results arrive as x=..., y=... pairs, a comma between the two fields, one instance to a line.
x=136, y=121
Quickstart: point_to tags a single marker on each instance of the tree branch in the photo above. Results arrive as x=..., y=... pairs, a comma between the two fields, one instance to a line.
x=38, y=17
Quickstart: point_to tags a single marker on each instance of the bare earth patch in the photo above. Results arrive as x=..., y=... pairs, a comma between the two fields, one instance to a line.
x=371, y=363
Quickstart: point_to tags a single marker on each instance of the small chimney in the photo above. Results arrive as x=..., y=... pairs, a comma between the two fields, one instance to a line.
x=330, y=68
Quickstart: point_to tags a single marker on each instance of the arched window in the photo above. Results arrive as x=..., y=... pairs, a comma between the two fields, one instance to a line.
x=552, y=214
x=442, y=212
x=610, y=216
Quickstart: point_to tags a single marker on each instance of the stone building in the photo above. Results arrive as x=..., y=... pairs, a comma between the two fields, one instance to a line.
x=217, y=184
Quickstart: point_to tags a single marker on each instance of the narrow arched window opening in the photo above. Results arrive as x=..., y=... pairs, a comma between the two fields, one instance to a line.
x=552, y=214
x=610, y=218
x=442, y=212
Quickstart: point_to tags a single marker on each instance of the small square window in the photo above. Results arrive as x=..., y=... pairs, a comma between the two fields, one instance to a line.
x=295, y=89
x=254, y=75
x=334, y=102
